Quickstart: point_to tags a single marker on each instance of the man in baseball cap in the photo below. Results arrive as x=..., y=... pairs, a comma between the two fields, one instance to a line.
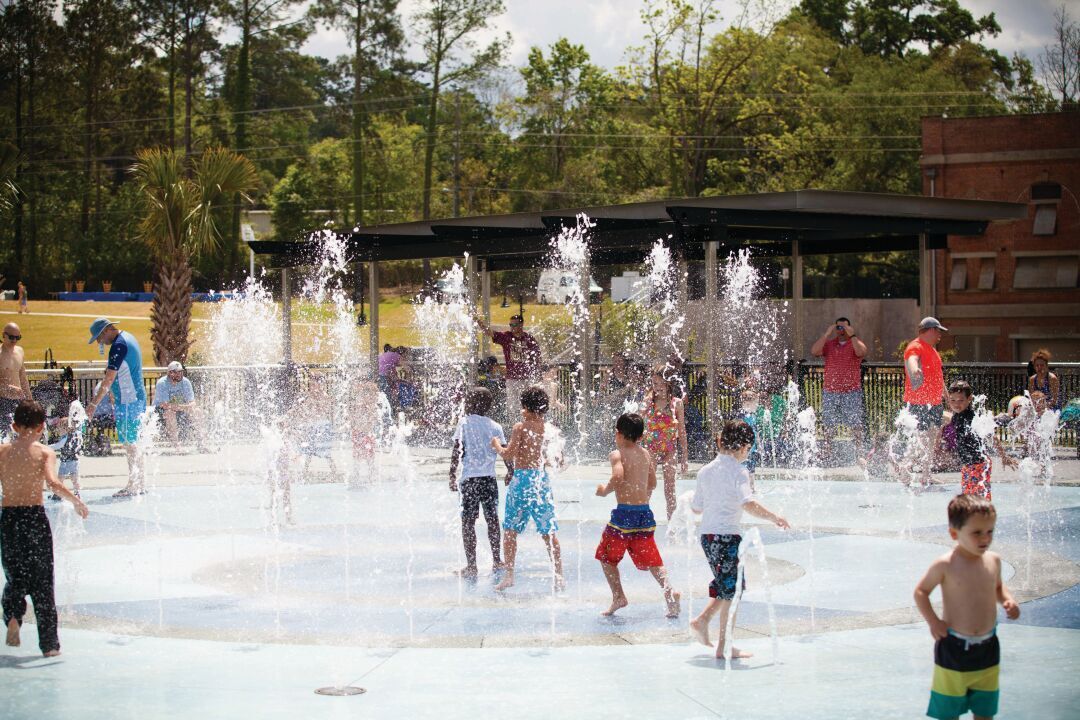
x=924, y=388
x=174, y=402
x=123, y=378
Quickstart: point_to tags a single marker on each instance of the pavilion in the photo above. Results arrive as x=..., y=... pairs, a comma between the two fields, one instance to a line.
x=794, y=224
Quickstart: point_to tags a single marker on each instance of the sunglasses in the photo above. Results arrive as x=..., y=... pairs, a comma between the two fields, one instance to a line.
x=515, y=324
x=16, y=338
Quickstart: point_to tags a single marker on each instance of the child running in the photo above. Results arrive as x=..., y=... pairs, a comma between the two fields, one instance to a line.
x=966, y=650
x=975, y=465
x=70, y=446
x=473, y=446
x=633, y=479
x=529, y=492
x=25, y=535
x=722, y=493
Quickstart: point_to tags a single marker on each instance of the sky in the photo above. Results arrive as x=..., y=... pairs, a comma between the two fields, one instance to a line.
x=608, y=27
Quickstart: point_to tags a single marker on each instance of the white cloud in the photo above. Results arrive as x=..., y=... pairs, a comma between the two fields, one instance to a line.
x=607, y=28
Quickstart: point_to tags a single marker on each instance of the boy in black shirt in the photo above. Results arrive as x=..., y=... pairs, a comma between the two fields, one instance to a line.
x=975, y=465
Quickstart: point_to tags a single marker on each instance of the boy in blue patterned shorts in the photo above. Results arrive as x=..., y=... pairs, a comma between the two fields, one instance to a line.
x=722, y=493
x=529, y=492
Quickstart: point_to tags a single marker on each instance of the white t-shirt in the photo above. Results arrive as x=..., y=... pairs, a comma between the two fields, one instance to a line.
x=723, y=487
x=474, y=432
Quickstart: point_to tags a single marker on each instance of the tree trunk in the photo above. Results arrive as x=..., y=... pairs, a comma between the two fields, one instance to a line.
x=358, y=119
x=240, y=109
x=18, y=229
x=170, y=311
x=429, y=158
x=189, y=72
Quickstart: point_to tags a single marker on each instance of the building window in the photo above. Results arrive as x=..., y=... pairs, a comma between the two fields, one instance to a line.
x=986, y=273
x=958, y=279
x=1055, y=271
x=1045, y=220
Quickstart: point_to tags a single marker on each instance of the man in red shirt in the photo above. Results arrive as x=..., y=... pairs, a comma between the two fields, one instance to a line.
x=924, y=387
x=842, y=396
x=522, y=355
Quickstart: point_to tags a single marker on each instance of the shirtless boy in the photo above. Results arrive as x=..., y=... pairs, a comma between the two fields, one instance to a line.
x=25, y=534
x=966, y=650
x=529, y=492
x=633, y=479
x=13, y=383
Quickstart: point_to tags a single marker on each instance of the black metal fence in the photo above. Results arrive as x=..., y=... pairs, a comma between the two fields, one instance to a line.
x=883, y=385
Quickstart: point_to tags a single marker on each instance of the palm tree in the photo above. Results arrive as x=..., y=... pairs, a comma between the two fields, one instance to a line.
x=178, y=222
x=9, y=162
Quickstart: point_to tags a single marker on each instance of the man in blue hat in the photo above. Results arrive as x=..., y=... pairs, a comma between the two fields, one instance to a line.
x=123, y=378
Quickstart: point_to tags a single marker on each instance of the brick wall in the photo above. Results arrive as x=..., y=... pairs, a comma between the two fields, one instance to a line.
x=1000, y=158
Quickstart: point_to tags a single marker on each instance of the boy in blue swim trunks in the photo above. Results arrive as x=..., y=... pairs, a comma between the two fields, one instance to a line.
x=529, y=492
x=966, y=650
x=632, y=526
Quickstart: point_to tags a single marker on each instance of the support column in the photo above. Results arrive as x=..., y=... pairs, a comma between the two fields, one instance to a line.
x=286, y=318
x=799, y=349
x=584, y=335
x=926, y=280
x=472, y=296
x=485, y=292
x=711, y=311
x=682, y=297
x=373, y=317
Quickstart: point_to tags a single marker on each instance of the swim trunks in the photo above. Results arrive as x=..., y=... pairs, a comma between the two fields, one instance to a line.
x=722, y=552
x=529, y=496
x=631, y=529
x=965, y=676
x=128, y=421
x=975, y=479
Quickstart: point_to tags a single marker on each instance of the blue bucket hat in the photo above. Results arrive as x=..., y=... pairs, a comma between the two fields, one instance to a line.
x=97, y=327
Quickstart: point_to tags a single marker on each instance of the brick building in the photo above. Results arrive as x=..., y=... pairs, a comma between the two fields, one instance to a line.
x=1014, y=289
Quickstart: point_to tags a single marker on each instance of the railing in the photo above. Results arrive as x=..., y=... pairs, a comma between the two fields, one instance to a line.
x=883, y=384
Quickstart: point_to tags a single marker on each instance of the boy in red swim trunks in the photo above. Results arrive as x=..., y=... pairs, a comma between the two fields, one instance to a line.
x=633, y=478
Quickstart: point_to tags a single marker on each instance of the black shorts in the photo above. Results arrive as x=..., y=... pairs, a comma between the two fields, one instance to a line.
x=929, y=416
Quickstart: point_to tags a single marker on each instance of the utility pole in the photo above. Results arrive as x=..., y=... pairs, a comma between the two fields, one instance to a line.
x=457, y=155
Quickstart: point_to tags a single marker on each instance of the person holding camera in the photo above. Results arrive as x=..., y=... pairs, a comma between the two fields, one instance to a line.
x=842, y=396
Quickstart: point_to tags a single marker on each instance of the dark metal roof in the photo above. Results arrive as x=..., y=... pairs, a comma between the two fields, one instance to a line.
x=820, y=221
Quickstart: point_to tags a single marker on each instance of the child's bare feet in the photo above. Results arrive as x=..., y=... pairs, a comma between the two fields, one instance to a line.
x=736, y=653
x=672, y=598
x=13, y=633
x=560, y=583
x=52, y=653
x=507, y=581
x=468, y=572
x=699, y=628
x=616, y=604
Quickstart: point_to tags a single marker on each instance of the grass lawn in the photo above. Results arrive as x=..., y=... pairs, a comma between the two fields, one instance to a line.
x=65, y=326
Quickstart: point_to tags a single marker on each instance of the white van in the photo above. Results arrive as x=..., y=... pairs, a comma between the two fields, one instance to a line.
x=559, y=286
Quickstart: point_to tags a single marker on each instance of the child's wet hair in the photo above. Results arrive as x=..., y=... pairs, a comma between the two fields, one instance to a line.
x=631, y=426
x=735, y=435
x=478, y=401
x=963, y=507
x=535, y=400
x=960, y=386
x=28, y=414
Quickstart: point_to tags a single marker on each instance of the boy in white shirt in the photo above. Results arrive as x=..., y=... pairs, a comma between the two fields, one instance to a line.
x=472, y=445
x=723, y=492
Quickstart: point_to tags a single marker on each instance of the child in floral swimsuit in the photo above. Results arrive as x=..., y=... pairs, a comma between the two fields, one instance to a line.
x=665, y=429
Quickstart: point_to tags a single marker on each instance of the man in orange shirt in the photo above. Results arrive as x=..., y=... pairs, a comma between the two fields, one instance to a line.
x=924, y=387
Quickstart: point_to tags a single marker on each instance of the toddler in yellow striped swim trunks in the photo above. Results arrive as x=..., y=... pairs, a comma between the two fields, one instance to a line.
x=966, y=650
